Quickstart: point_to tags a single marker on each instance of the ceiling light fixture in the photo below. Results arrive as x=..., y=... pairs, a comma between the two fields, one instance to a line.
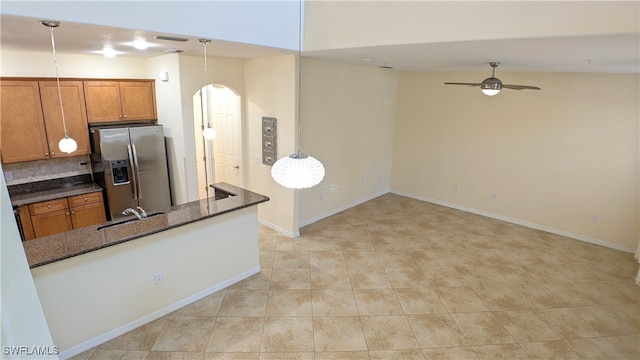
x=491, y=86
x=298, y=171
x=66, y=144
x=108, y=51
x=140, y=44
x=208, y=133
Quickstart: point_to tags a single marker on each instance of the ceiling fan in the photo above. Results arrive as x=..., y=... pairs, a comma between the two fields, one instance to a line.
x=492, y=85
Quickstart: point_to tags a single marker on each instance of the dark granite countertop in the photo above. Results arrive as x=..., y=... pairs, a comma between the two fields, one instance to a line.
x=25, y=194
x=51, y=194
x=45, y=250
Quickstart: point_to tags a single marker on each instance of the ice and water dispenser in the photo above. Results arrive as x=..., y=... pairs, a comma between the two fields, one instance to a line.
x=120, y=171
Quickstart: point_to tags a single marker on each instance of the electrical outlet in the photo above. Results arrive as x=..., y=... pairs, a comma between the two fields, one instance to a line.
x=158, y=277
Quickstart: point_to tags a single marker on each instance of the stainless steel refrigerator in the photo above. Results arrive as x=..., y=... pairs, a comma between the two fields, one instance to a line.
x=130, y=163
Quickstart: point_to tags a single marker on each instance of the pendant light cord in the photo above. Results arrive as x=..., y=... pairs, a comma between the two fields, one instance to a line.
x=299, y=77
x=204, y=44
x=206, y=77
x=55, y=63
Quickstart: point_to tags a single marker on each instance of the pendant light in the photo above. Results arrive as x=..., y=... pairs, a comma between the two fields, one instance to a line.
x=208, y=133
x=66, y=144
x=298, y=170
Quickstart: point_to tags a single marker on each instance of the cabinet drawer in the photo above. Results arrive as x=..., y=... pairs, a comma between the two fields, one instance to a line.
x=48, y=206
x=94, y=197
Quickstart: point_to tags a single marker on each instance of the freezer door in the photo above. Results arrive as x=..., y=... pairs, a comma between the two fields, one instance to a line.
x=151, y=172
x=118, y=170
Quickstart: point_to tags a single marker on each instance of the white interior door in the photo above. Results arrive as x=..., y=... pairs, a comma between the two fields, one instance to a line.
x=227, y=145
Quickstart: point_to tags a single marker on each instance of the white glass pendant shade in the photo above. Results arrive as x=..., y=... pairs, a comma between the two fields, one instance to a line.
x=490, y=92
x=67, y=144
x=209, y=133
x=297, y=171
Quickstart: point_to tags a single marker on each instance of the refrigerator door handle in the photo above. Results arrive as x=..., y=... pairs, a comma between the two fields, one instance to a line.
x=137, y=168
x=133, y=174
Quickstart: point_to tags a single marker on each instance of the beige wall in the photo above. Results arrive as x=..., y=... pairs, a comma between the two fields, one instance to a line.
x=346, y=123
x=270, y=84
x=331, y=24
x=18, y=63
x=553, y=158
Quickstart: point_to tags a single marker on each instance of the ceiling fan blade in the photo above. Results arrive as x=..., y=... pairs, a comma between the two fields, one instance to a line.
x=520, y=87
x=468, y=84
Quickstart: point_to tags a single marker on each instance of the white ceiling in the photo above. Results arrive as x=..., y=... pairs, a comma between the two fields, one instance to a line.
x=619, y=53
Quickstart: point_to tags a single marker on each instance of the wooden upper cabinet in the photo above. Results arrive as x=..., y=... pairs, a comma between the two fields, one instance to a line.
x=138, y=100
x=22, y=132
x=74, y=114
x=120, y=101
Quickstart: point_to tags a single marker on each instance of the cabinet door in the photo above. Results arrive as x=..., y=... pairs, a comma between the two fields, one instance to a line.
x=138, y=100
x=74, y=113
x=50, y=223
x=25, y=223
x=103, y=101
x=88, y=215
x=22, y=132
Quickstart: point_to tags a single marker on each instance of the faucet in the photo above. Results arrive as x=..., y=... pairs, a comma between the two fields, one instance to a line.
x=134, y=212
x=143, y=213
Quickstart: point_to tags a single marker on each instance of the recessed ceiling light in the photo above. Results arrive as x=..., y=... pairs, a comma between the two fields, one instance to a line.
x=140, y=44
x=367, y=59
x=108, y=51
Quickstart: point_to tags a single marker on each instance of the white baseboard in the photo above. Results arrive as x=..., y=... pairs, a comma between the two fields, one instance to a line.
x=518, y=222
x=279, y=229
x=89, y=344
x=341, y=209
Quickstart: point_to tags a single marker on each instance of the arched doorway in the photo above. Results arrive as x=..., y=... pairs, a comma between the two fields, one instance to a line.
x=218, y=159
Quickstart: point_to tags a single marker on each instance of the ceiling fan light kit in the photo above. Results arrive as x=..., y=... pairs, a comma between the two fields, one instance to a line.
x=492, y=85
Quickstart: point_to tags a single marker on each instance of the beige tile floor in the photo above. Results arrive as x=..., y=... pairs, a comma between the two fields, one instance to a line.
x=397, y=278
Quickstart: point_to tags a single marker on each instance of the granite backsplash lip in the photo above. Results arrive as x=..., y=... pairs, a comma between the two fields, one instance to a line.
x=49, y=249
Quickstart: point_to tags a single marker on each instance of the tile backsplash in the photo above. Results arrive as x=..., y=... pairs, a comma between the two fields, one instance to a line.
x=31, y=171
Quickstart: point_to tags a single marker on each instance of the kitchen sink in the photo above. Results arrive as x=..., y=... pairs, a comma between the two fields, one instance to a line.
x=128, y=220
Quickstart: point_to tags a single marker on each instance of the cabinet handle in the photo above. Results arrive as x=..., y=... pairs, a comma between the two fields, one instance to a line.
x=67, y=213
x=86, y=199
x=73, y=212
x=125, y=116
x=48, y=206
x=46, y=154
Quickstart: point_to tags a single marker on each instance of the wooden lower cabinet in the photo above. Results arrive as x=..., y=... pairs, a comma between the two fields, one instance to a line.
x=87, y=215
x=51, y=223
x=60, y=215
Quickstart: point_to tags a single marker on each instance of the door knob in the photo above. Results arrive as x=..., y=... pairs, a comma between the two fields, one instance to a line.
x=237, y=167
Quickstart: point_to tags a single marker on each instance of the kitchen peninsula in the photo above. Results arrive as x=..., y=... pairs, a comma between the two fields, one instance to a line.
x=101, y=281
